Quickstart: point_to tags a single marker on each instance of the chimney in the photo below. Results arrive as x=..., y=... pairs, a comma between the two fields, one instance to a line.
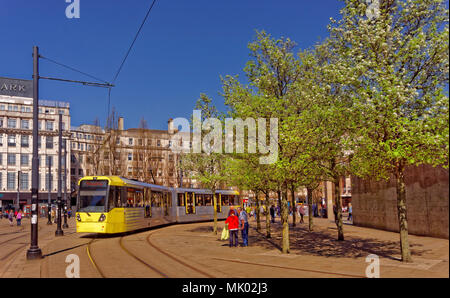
x=120, y=124
x=170, y=126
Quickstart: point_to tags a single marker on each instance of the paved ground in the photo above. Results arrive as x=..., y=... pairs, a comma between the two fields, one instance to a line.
x=194, y=251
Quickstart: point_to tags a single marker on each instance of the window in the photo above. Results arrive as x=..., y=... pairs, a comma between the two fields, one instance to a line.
x=49, y=161
x=39, y=141
x=25, y=141
x=12, y=123
x=48, y=181
x=11, y=140
x=158, y=143
x=11, y=181
x=2, y=107
x=1, y=122
x=25, y=124
x=130, y=141
x=24, y=159
x=1, y=159
x=1, y=139
x=49, y=142
x=130, y=156
x=49, y=125
x=11, y=159
x=23, y=181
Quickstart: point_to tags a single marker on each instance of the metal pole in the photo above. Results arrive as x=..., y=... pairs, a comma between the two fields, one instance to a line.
x=34, y=252
x=49, y=202
x=65, y=185
x=18, y=191
x=59, y=231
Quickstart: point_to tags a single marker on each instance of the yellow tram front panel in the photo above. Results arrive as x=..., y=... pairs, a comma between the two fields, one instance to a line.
x=118, y=220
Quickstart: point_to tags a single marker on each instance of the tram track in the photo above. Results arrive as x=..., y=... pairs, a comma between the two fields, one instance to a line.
x=176, y=259
x=154, y=268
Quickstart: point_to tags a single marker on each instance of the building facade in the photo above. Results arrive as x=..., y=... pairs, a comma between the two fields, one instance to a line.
x=16, y=142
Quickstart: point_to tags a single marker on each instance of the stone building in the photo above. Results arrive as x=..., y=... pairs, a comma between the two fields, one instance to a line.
x=16, y=142
x=135, y=153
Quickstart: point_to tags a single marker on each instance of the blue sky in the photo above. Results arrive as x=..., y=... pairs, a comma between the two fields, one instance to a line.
x=183, y=49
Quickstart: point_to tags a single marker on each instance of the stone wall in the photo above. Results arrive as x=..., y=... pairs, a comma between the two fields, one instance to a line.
x=427, y=195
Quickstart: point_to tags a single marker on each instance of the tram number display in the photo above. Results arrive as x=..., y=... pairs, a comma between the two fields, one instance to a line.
x=94, y=184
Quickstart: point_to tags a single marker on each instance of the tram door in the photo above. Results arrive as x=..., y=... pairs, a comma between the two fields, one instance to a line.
x=166, y=203
x=189, y=202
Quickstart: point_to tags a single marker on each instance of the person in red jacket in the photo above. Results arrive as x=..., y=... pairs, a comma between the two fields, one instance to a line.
x=233, y=226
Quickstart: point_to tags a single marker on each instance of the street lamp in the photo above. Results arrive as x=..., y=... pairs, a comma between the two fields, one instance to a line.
x=34, y=252
x=59, y=231
x=49, y=202
x=18, y=191
x=65, y=226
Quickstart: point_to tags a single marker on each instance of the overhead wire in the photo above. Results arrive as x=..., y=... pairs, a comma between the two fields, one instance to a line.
x=127, y=54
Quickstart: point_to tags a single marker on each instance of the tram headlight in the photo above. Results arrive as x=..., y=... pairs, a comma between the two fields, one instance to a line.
x=102, y=218
x=78, y=217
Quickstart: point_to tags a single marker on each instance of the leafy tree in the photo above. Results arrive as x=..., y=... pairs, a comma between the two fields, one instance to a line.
x=393, y=63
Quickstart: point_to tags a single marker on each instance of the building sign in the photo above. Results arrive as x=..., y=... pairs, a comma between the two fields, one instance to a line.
x=16, y=87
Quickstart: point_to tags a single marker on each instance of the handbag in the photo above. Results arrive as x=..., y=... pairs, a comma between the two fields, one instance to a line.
x=225, y=233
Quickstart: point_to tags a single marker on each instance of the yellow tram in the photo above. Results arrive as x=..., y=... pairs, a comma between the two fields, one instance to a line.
x=113, y=204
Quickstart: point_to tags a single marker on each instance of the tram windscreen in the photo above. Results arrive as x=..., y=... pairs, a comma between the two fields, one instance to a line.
x=92, y=197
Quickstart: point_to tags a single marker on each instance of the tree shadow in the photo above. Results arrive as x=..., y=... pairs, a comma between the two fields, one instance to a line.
x=324, y=243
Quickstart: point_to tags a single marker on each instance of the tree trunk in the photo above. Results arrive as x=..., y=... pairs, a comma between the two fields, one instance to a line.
x=285, y=222
x=215, y=212
x=401, y=207
x=338, y=220
x=267, y=202
x=293, y=205
x=309, y=192
x=258, y=221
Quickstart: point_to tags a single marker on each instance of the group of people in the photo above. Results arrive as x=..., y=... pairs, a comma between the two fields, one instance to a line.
x=235, y=222
x=11, y=215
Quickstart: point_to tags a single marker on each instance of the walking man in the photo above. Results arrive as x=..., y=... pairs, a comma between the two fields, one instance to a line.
x=243, y=221
x=350, y=209
x=272, y=213
x=302, y=213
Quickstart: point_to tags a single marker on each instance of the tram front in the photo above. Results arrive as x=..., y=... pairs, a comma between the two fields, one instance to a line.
x=92, y=206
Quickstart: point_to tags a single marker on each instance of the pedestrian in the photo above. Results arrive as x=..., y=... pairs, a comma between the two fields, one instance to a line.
x=233, y=210
x=272, y=213
x=233, y=226
x=302, y=213
x=243, y=221
x=53, y=215
x=11, y=217
x=19, y=217
x=350, y=209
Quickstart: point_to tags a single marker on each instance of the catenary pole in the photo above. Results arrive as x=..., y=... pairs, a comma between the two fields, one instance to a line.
x=34, y=252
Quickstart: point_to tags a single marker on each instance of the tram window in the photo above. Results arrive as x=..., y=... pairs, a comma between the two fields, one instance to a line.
x=156, y=199
x=180, y=199
x=225, y=200
x=130, y=197
x=208, y=201
x=139, y=198
x=114, y=198
x=169, y=199
x=199, y=200
x=92, y=197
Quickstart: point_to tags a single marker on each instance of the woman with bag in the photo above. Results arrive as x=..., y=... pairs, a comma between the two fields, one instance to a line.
x=233, y=226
